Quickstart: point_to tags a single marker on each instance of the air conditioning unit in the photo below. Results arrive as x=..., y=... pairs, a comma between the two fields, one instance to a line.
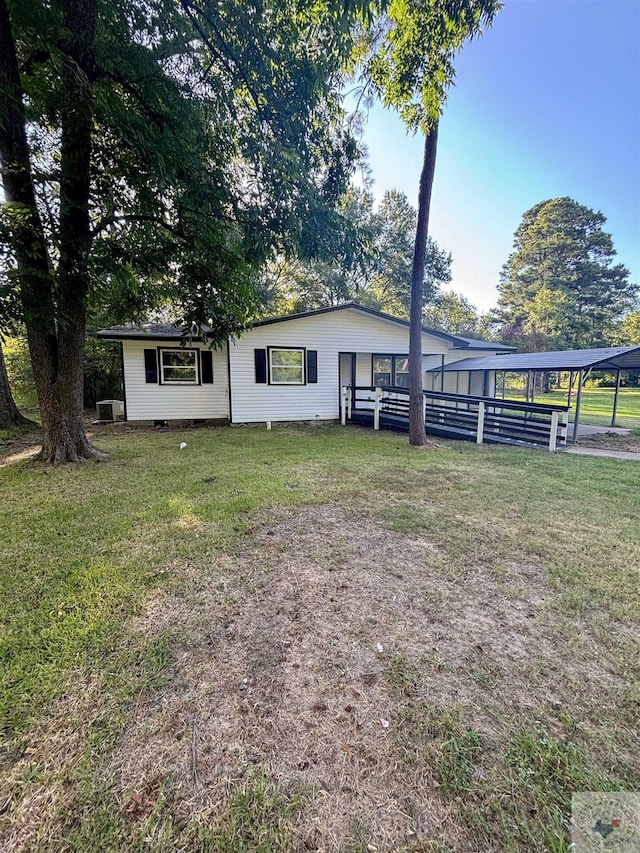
x=110, y=410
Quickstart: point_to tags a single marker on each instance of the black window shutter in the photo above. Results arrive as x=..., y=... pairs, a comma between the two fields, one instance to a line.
x=312, y=365
x=151, y=366
x=206, y=364
x=261, y=366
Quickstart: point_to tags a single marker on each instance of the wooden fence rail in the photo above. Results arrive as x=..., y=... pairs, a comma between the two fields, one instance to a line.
x=460, y=415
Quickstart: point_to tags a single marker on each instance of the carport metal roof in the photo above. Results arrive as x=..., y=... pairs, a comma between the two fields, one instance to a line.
x=579, y=361
x=605, y=358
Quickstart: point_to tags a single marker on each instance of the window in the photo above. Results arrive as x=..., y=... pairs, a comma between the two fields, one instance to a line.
x=390, y=370
x=286, y=366
x=401, y=371
x=179, y=366
x=382, y=370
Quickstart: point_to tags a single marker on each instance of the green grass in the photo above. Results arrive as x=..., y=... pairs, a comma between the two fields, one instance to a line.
x=596, y=405
x=83, y=547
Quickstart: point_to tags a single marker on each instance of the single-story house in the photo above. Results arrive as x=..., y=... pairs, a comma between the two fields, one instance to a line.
x=281, y=369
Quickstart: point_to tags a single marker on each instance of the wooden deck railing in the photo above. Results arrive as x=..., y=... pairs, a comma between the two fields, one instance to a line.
x=466, y=416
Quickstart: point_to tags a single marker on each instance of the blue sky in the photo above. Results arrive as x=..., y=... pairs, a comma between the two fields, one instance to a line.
x=546, y=104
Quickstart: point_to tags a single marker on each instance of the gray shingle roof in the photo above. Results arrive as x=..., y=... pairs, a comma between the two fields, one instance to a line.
x=475, y=343
x=166, y=331
x=153, y=331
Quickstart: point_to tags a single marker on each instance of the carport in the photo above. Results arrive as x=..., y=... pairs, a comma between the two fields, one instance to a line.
x=579, y=363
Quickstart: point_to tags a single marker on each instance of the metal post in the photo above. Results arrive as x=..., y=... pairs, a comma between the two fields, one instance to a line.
x=480, y=423
x=570, y=388
x=442, y=374
x=343, y=406
x=350, y=400
x=553, y=435
x=377, y=397
x=615, y=399
x=576, y=416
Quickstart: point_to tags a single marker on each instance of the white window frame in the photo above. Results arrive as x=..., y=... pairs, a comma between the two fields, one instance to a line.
x=303, y=365
x=196, y=364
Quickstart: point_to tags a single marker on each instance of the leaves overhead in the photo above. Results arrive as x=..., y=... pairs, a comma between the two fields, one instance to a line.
x=412, y=53
x=219, y=139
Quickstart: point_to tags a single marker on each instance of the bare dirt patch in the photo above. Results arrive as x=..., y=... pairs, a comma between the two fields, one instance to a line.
x=302, y=654
x=612, y=441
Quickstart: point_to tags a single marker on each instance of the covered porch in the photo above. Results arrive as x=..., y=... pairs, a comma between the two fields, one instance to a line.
x=491, y=372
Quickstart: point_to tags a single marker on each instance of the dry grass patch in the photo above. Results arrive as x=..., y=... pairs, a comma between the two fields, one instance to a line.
x=371, y=688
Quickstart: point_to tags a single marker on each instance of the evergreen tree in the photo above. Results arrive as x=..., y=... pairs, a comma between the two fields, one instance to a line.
x=561, y=287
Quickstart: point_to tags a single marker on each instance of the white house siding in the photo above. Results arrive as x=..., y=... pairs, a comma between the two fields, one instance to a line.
x=329, y=334
x=149, y=402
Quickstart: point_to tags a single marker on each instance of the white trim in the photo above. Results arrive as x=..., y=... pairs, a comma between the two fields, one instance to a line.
x=292, y=367
x=196, y=365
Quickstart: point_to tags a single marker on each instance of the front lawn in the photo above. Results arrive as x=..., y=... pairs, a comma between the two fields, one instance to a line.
x=596, y=405
x=314, y=639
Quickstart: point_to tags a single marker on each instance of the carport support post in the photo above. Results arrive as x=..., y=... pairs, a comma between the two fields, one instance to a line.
x=570, y=388
x=615, y=399
x=576, y=417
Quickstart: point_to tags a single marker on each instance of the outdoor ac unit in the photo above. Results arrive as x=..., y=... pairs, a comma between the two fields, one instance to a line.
x=110, y=410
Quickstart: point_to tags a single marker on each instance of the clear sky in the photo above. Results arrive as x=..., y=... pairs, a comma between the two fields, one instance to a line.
x=546, y=104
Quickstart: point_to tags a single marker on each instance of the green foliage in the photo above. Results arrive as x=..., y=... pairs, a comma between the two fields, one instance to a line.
x=628, y=331
x=395, y=227
x=16, y=356
x=218, y=139
x=560, y=288
x=102, y=372
x=453, y=313
x=412, y=53
x=380, y=274
x=99, y=544
x=257, y=818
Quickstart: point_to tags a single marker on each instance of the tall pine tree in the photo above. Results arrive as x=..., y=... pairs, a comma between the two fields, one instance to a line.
x=561, y=287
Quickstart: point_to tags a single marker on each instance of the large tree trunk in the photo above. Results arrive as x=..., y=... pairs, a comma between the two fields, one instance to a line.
x=55, y=331
x=417, y=432
x=10, y=417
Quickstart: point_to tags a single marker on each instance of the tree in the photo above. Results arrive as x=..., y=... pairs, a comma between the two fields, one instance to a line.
x=628, y=331
x=379, y=274
x=412, y=68
x=10, y=416
x=160, y=151
x=560, y=288
x=289, y=285
x=453, y=313
x=394, y=228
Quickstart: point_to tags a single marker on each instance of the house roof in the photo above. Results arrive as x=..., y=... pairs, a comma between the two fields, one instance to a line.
x=604, y=358
x=154, y=331
x=168, y=331
x=475, y=343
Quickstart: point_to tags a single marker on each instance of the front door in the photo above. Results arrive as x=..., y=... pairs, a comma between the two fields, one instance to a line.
x=346, y=372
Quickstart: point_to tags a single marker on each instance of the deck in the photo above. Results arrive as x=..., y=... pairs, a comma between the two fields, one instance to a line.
x=488, y=420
